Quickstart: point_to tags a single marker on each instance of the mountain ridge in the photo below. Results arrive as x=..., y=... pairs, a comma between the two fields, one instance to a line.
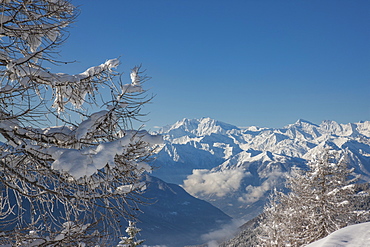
x=235, y=168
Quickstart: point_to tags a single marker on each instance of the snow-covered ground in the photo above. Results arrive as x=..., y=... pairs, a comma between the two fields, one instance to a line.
x=350, y=236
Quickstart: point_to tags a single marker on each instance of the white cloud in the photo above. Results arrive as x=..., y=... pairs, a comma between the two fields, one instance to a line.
x=219, y=183
x=226, y=232
x=254, y=193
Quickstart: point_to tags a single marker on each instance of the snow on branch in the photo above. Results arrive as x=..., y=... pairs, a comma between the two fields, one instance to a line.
x=86, y=162
x=67, y=88
x=33, y=24
x=136, y=81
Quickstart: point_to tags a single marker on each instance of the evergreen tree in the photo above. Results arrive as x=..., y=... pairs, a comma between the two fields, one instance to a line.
x=270, y=229
x=130, y=241
x=318, y=203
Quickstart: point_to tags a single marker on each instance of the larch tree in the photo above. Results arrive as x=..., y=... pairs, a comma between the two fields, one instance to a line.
x=319, y=203
x=71, y=161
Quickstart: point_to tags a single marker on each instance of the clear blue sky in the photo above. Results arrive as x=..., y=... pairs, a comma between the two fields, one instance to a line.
x=244, y=62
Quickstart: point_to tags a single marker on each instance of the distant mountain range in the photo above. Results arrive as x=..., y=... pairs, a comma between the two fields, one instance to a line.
x=235, y=168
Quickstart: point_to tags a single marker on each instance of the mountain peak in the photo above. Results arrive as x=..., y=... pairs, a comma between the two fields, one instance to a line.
x=197, y=127
x=301, y=122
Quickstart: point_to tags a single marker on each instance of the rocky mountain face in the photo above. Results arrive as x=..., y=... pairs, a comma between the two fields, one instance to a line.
x=235, y=168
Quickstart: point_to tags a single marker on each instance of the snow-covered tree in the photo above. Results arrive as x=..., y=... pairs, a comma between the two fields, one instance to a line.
x=318, y=203
x=270, y=231
x=71, y=160
x=130, y=241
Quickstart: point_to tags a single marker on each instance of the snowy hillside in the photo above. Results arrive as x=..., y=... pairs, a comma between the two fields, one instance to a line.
x=234, y=168
x=350, y=236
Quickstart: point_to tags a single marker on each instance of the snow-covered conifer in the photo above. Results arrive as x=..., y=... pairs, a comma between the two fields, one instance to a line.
x=130, y=241
x=72, y=161
x=318, y=203
x=270, y=230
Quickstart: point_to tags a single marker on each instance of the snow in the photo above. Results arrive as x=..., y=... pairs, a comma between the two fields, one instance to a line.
x=152, y=139
x=86, y=162
x=68, y=88
x=70, y=228
x=108, y=65
x=33, y=35
x=63, y=130
x=197, y=127
x=88, y=124
x=199, y=148
x=75, y=87
x=350, y=236
x=135, y=78
x=124, y=189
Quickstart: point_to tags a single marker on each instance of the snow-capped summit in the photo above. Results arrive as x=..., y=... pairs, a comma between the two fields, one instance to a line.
x=302, y=129
x=196, y=127
x=302, y=124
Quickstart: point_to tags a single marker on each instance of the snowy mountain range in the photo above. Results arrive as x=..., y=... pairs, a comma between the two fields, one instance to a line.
x=235, y=168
